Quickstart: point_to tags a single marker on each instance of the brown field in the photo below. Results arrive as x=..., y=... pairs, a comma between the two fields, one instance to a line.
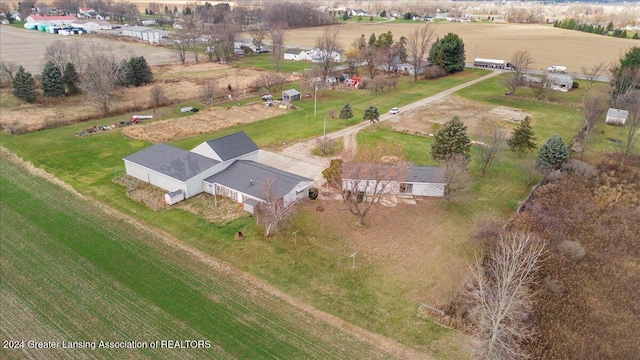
x=547, y=45
x=180, y=83
x=477, y=116
x=209, y=120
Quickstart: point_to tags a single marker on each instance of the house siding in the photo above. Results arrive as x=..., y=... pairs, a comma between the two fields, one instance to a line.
x=154, y=178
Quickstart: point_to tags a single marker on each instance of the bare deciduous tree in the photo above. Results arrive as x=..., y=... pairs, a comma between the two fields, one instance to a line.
x=369, y=175
x=258, y=34
x=327, y=44
x=514, y=79
x=209, y=91
x=7, y=70
x=418, y=45
x=277, y=33
x=632, y=134
x=101, y=74
x=58, y=54
x=594, y=72
x=181, y=42
x=501, y=286
x=457, y=177
x=494, y=143
x=274, y=212
x=540, y=87
x=595, y=105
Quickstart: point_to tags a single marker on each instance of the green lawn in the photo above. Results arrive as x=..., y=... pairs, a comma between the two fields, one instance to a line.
x=71, y=272
x=89, y=164
x=265, y=61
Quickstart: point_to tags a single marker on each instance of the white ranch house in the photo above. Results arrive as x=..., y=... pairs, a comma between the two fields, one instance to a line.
x=228, y=166
x=419, y=181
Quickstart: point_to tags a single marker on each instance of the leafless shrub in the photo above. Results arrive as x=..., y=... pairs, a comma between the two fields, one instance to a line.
x=332, y=114
x=157, y=97
x=7, y=70
x=488, y=229
x=272, y=82
x=434, y=72
x=580, y=168
x=209, y=91
x=555, y=175
x=572, y=249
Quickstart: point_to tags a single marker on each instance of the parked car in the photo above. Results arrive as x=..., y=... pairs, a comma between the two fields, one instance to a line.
x=394, y=111
x=267, y=97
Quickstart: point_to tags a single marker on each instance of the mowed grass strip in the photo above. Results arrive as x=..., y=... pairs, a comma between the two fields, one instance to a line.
x=71, y=272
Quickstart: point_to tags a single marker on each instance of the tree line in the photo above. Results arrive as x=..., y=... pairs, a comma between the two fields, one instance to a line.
x=71, y=70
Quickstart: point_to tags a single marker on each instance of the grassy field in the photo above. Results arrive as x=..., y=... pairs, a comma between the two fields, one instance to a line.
x=394, y=273
x=72, y=272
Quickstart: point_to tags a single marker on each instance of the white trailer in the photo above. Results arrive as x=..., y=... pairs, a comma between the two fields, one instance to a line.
x=557, y=69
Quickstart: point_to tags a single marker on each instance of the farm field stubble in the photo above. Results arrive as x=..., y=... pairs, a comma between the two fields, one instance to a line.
x=72, y=272
x=547, y=45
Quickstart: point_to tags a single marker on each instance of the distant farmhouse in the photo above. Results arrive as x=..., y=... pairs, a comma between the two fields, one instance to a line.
x=228, y=166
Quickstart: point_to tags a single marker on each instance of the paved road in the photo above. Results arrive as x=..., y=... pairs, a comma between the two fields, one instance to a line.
x=303, y=162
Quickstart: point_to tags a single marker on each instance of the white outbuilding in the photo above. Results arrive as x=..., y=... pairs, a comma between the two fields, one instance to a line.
x=616, y=117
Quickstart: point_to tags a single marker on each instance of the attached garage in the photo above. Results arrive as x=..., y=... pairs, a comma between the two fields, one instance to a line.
x=171, y=168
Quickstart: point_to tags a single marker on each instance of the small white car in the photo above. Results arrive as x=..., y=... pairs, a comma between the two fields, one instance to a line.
x=394, y=111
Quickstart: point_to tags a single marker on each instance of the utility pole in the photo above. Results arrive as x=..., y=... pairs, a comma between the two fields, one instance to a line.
x=315, y=101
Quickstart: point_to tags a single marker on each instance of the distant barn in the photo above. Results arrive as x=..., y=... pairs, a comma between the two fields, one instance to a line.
x=492, y=64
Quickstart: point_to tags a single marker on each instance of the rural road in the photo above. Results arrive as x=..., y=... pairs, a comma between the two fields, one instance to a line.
x=311, y=166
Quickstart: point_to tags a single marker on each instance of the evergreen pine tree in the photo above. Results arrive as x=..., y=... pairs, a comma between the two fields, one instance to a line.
x=24, y=86
x=52, y=84
x=372, y=39
x=71, y=80
x=143, y=71
x=371, y=113
x=522, y=139
x=552, y=154
x=451, y=139
x=346, y=113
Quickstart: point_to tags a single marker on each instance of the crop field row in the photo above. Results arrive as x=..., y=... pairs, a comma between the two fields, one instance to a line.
x=72, y=272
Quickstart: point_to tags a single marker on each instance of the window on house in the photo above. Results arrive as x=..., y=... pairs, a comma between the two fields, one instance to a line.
x=406, y=188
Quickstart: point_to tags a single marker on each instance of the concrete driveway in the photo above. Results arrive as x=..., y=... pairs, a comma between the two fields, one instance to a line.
x=310, y=167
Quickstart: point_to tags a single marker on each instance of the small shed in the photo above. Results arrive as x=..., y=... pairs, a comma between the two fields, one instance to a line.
x=560, y=82
x=291, y=95
x=173, y=197
x=616, y=117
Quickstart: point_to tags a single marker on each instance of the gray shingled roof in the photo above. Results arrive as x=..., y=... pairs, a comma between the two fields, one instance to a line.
x=172, y=161
x=416, y=174
x=291, y=92
x=234, y=145
x=293, y=51
x=426, y=174
x=241, y=173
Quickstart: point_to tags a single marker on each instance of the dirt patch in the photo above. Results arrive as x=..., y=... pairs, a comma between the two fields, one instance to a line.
x=180, y=83
x=209, y=120
x=476, y=116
